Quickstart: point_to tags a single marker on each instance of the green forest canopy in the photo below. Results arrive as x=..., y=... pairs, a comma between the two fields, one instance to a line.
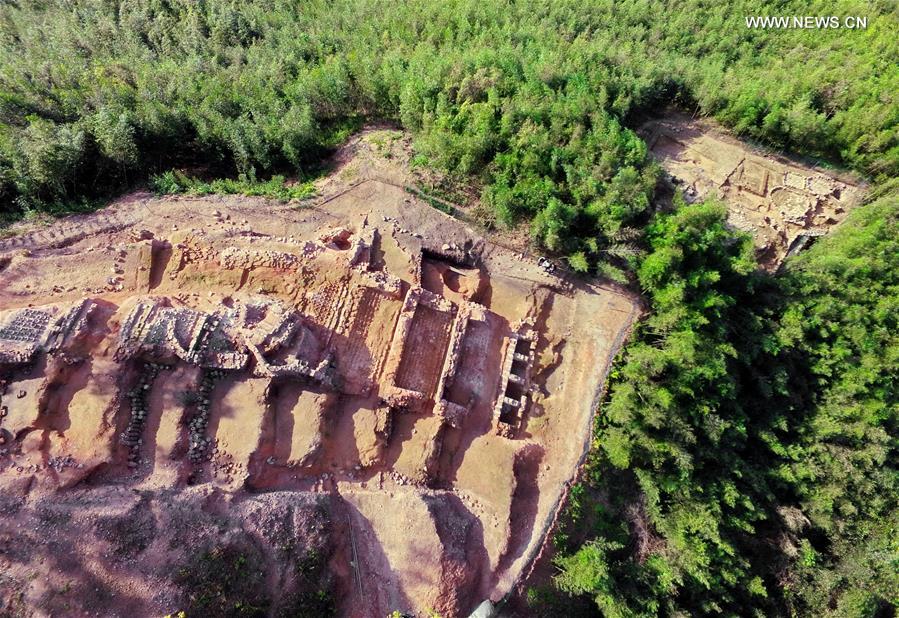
x=746, y=454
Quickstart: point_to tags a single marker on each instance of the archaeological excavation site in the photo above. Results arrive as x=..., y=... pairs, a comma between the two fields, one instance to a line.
x=449, y=309
x=350, y=407
x=782, y=203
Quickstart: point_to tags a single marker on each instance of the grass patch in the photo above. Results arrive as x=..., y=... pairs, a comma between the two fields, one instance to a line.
x=175, y=182
x=225, y=580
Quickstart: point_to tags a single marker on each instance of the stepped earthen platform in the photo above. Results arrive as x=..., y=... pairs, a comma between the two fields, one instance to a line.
x=434, y=389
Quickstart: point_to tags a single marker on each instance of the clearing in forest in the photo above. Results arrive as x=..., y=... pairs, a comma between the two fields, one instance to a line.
x=195, y=372
x=782, y=203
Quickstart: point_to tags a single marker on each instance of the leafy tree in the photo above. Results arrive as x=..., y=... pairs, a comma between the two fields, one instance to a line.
x=749, y=438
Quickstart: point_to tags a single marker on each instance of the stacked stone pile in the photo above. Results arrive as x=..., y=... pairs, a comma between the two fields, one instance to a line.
x=140, y=407
x=198, y=442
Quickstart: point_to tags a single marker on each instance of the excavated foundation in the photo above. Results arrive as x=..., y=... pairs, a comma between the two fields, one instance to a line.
x=434, y=388
x=782, y=203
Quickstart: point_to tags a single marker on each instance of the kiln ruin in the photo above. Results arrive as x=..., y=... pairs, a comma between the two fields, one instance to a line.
x=434, y=389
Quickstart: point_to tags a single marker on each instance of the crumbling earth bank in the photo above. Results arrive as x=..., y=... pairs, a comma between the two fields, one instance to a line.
x=114, y=551
x=362, y=402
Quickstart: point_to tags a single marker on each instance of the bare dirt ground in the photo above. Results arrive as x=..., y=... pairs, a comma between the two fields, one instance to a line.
x=782, y=203
x=230, y=406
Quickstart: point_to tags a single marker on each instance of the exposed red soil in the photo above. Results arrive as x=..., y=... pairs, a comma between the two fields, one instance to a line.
x=418, y=394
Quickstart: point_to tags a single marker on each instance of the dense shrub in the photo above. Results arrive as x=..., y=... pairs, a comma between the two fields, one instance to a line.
x=746, y=459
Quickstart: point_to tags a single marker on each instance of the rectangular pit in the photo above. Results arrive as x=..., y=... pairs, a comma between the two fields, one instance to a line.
x=479, y=363
x=424, y=350
x=368, y=338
